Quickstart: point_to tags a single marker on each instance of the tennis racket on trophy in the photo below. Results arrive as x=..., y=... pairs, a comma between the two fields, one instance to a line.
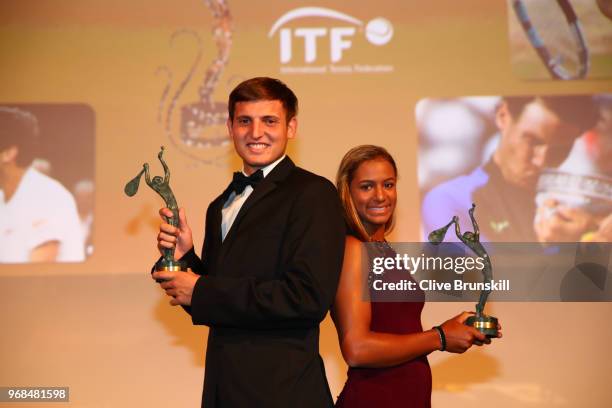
x=554, y=31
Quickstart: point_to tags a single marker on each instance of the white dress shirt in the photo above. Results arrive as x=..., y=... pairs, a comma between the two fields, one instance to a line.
x=41, y=210
x=235, y=201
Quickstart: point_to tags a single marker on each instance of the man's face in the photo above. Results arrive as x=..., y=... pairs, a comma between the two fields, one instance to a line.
x=8, y=158
x=536, y=139
x=604, y=131
x=260, y=132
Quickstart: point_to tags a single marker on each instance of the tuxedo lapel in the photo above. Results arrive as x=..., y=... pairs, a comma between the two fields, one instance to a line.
x=216, y=218
x=265, y=187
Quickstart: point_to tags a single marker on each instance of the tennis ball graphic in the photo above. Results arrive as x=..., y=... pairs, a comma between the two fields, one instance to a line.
x=379, y=31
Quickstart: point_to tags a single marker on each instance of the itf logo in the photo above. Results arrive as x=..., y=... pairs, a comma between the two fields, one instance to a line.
x=337, y=39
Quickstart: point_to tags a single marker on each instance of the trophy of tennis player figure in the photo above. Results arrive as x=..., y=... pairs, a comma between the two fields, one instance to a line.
x=483, y=323
x=162, y=187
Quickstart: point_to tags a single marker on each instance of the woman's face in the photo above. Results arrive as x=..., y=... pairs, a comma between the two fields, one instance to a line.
x=373, y=192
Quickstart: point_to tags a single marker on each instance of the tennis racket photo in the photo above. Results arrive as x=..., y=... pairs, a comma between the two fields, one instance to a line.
x=555, y=32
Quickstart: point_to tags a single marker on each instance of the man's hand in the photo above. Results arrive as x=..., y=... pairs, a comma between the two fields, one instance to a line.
x=45, y=252
x=179, y=285
x=558, y=223
x=172, y=237
x=459, y=336
x=604, y=233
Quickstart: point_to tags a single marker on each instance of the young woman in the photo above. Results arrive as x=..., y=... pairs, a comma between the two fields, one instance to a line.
x=383, y=342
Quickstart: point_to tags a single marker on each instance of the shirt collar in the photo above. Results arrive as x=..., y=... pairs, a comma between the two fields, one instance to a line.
x=266, y=170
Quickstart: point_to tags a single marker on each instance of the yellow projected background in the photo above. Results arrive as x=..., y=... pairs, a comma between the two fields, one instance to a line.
x=104, y=328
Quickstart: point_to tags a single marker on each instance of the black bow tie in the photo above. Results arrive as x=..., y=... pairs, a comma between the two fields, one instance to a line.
x=240, y=181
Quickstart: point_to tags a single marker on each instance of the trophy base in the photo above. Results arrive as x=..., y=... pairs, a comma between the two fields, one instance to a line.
x=174, y=266
x=484, y=324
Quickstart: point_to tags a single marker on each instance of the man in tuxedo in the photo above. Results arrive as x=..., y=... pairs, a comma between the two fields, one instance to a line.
x=272, y=254
x=39, y=221
x=536, y=133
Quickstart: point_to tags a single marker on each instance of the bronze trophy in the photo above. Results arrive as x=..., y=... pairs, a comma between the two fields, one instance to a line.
x=483, y=323
x=162, y=187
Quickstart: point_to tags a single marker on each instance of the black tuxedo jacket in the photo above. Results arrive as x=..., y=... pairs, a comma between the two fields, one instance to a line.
x=265, y=289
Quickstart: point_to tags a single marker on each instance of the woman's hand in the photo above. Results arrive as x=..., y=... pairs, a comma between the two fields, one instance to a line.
x=459, y=336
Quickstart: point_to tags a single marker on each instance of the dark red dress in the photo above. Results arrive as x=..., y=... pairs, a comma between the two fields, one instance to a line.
x=407, y=385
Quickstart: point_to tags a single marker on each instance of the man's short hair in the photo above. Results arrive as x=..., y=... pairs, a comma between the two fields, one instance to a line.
x=263, y=89
x=579, y=110
x=19, y=128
